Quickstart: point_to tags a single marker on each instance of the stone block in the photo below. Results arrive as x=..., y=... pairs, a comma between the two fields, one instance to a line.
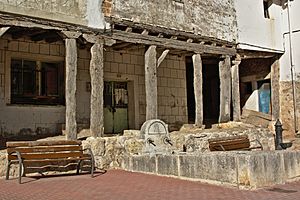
x=122, y=68
x=54, y=50
x=174, y=73
x=108, y=56
x=167, y=165
x=24, y=46
x=130, y=69
x=34, y=48
x=3, y=44
x=167, y=72
x=114, y=67
x=134, y=59
x=138, y=70
x=13, y=45
x=118, y=57
x=44, y=49
x=126, y=58
x=144, y=163
x=62, y=50
x=107, y=67
x=291, y=161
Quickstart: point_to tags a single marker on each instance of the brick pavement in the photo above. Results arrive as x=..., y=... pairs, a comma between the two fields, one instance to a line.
x=122, y=185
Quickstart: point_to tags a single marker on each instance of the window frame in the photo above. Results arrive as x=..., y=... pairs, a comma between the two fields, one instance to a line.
x=38, y=58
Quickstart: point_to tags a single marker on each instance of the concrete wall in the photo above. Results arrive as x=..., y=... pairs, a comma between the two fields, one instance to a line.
x=118, y=66
x=83, y=12
x=255, y=32
x=213, y=18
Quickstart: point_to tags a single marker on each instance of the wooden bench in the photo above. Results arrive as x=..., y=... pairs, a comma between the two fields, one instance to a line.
x=232, y=143
x=43, y=156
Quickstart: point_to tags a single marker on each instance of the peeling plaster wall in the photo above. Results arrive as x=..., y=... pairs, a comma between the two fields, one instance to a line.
x=82, y=12
x=212, y=18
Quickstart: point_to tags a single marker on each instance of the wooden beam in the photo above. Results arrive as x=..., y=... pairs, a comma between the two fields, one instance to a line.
x=236, y=89
x=71, y=73
x=171, y=44
x=275, y=73
x=3, y=30
x=225, y=89
x=198, y=80
x=162, y=57
x=151, y=83
x=92, y=38
x=97, y=82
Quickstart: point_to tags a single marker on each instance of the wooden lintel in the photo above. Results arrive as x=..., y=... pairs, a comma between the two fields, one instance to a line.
x=171, y=44
x=91, y=38
x=3, y=30
x=162, y=57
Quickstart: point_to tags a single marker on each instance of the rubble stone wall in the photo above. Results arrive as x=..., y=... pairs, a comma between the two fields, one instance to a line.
x=287, y=107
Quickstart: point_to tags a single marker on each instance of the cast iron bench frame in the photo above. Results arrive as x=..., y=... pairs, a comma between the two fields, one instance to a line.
x=232, y=143
x=43, y=156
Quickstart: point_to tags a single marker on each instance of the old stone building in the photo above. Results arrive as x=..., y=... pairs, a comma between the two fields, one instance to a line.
x=110, y=65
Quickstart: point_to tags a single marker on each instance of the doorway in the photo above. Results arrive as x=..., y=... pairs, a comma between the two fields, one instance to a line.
x=115, y=107
x=211, y=90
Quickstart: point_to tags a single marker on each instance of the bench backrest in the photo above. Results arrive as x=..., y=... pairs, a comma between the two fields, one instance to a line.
x=37, y=150
x=229, y=143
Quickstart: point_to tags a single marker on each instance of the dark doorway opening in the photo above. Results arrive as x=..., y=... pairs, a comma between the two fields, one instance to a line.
x=190, y=90
x=211, y=91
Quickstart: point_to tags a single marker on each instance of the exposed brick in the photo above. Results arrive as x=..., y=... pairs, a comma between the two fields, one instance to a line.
x=114, y=67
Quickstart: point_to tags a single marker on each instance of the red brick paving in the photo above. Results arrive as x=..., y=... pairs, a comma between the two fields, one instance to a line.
x=122, y=185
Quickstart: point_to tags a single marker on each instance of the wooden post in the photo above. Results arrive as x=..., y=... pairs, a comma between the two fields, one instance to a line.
x=225, y=89
x=197, y=62
x=96, y=72
x=71, y=72
x=151, y=83
x=275, y=73
x=236, y=89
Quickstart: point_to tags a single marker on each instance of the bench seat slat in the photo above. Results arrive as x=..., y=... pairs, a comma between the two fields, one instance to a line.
x=46, y=156
x=42, y=143
x=44, y=149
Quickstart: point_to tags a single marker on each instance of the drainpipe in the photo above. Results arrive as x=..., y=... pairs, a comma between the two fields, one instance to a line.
x=292, y=67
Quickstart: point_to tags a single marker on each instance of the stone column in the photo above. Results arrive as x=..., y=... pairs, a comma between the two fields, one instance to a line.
x=151, y=83
x=275, y=73
x=97, y=82
x=235, y=80
x=71, y=73
x=197, y=62
x=225, y=89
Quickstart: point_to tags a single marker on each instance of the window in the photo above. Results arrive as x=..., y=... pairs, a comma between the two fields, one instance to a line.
x=36, y=82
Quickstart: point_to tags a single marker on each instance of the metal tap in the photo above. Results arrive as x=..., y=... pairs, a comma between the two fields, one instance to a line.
x=150, y=141
x=167, y=141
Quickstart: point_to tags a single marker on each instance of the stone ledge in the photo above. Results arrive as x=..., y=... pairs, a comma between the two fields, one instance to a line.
x=245, y=170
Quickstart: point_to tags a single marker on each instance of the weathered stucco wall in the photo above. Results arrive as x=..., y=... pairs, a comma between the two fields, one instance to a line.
x=213, y=18
x=83, y=12
x=255, y=32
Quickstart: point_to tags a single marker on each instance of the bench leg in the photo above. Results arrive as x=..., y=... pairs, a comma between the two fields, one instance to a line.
x=92, y=166
x=78, y=167
x=7, y=170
